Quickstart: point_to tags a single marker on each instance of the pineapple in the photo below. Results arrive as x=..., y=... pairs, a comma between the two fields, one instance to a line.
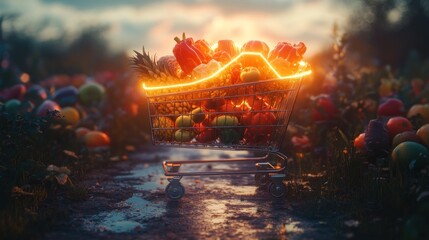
x=165, y=71
x=163, y=129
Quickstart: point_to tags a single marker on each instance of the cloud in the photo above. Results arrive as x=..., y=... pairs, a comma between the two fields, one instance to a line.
x=155, y=23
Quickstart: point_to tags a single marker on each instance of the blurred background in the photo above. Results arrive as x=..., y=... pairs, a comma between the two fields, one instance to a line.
x=89, y=36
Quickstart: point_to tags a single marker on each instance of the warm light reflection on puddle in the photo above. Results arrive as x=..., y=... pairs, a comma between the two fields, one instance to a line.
x=220, y=211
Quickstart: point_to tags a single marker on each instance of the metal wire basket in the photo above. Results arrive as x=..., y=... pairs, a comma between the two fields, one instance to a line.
x=245, y=116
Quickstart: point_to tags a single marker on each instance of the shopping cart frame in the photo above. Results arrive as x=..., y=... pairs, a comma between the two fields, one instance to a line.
x=270, y=169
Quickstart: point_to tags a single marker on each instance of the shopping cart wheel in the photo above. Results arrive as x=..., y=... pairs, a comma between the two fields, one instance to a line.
x=262, y=179
x=175, y=190
x=277, y=190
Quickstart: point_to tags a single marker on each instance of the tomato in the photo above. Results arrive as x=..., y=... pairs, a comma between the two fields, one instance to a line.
x=391, y=107
x=359, y=142
x=213, y=103
x=257, y=104
x=260, y=123
x=246, y=118
x=229, y=108
x=206, y=136
x=397, y=125
x=255, y=139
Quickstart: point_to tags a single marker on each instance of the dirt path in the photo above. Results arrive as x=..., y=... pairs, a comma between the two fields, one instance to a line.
x=127, y=201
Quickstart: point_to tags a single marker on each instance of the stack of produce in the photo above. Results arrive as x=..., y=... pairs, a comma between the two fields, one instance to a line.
x=240, y=115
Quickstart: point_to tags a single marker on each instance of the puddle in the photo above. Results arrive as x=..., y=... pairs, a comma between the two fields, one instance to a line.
x=293, y=227
x=129, y=219
x=114, y=222
x=219, y=211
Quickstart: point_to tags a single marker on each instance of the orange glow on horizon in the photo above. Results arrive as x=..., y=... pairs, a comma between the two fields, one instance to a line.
x=298, y=75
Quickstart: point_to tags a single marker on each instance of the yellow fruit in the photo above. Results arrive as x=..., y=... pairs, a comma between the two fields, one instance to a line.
x=70, y=115
x=163, y=129
x=419, y=110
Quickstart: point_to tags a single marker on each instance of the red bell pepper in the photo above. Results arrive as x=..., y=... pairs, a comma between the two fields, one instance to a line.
x=227, y=46
x=287, y=51
x=256, y=46
x=205, y=49
x=187, y=54
x=222, y=56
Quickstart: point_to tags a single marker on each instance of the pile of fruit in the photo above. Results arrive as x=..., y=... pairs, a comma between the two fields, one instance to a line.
x=70, y=104
x=243, y=115
x=393, y=134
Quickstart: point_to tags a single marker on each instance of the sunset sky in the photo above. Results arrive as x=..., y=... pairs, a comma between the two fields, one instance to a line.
x=154, y=24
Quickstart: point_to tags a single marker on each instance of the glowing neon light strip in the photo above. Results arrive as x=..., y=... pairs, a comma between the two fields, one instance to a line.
x=298, y=75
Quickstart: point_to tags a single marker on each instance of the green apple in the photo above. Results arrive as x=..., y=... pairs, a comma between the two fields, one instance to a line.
x=225, y=120
x=91, y=93
x=184, y=121
x=198, y=115
x=183, y=135
x=250, y=74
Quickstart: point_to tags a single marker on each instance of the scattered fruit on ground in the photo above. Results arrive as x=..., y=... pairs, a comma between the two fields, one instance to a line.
x=411, y=155
x=36, y=94
x=407, y=136
x=12, y=106
x=397, y=125
x=66, y=96
x=359, y=142
x=95, y=139
x=391, y=107
x=91, y=93
x=46, y=107
x=419, y=110
x=423, y=133
x=71, y=115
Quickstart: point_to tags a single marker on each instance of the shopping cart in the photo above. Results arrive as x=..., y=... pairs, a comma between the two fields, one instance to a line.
x=249, y=116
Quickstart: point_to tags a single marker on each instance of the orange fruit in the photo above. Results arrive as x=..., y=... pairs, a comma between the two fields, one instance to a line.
x=95, y=139
x=423, y=133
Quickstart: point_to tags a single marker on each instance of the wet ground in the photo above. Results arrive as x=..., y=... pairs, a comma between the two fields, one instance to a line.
x=127, y=201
